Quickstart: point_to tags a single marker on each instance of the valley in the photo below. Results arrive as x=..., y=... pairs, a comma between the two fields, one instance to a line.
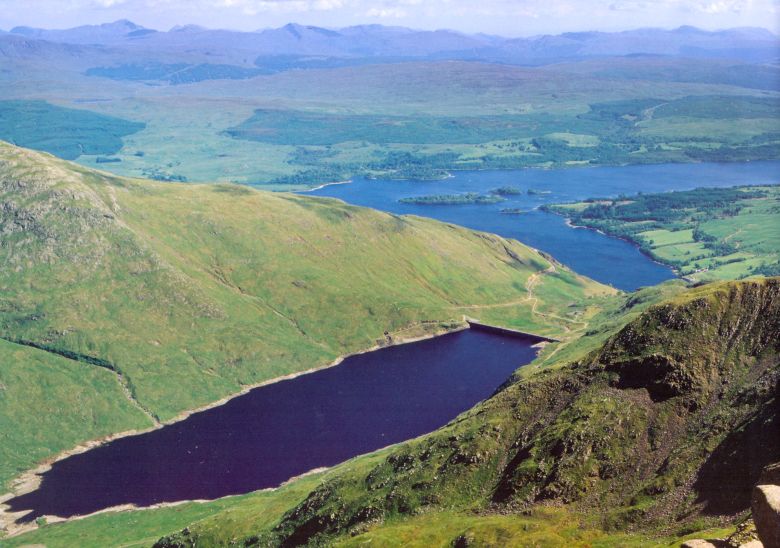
x=296, y=116
x=112, y=275
x=370, y=285
x=584, y=320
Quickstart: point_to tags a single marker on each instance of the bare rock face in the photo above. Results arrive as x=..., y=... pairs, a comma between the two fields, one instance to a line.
x=765, y=504
x=697, y=543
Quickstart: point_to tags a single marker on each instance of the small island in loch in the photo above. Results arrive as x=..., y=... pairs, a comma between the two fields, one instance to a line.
x=454, y=199
x=507, y=191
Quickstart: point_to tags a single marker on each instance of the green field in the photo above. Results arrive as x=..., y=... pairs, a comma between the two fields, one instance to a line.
x=705, y=234
x=617, y=132
x=405, y=120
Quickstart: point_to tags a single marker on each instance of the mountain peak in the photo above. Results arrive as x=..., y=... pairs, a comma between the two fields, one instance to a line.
x=689, y=29
x=188, y=28
x=121, y=24
x=299, y=30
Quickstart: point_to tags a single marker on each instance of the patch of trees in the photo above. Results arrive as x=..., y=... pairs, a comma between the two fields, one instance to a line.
x=669, y=207
x=735, y=153
x=766, y=269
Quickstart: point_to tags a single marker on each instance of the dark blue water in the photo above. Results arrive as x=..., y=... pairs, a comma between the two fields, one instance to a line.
x=282, y=430
x=608, y=260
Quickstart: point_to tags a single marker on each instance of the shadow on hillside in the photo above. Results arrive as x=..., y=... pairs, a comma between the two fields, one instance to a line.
x=727, y=478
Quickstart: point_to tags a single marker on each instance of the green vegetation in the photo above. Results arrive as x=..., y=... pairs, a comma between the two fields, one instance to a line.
x=65, y=132
x=454, y=199
x=591, y=433
x=705, y=234
x=126, y=302
x=584, y=436
x=93, y=397
x=307, y=128
x=448, y=116
x=178, y=295
x=615, y=132
x=727, y=108
x=588, y=425
x=543, y=527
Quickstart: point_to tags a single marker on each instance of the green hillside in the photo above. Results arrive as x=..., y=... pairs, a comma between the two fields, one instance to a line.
x=49, y=404
x=186, y=294
x=663, y=431
x=655, y=434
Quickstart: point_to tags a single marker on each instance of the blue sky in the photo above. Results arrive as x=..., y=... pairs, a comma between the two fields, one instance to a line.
x=505, y=17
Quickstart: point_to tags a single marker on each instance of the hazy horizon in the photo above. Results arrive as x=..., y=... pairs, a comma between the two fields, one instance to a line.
x=409, y=27
x=497, y=17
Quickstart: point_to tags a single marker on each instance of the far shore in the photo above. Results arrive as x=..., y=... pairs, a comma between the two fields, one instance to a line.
x=348, y=181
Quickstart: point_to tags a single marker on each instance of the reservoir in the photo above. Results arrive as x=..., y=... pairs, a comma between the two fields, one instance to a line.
x=605, y=259
x=282, y=430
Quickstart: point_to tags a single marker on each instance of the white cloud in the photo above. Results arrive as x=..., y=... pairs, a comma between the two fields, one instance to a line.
x=385, y=13
x=722, y=7
x=108, y=3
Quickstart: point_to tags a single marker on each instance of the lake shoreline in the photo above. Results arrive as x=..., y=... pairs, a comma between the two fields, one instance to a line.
x=590, y=253
x=636, y=244
x=20, y=529
x=316, y=188
x=452, y=170
x=30, y=480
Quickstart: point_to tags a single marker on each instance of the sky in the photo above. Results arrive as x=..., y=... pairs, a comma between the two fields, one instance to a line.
x=501, y=17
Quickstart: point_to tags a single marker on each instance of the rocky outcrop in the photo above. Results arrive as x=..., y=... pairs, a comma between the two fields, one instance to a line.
x=698, y=543
x=765, y=505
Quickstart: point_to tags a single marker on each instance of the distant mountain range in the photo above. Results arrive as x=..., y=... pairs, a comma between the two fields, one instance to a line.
x=311, y=45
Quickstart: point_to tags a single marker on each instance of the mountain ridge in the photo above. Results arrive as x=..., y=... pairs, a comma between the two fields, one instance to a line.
x=384, y=41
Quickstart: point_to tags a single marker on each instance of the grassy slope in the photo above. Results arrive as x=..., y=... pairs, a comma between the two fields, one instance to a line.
x=731, y=239
x=463, y=483
x=241, y=514
x=84, y=401
x=188, y=293
x=587, y=437
x=632, y=436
